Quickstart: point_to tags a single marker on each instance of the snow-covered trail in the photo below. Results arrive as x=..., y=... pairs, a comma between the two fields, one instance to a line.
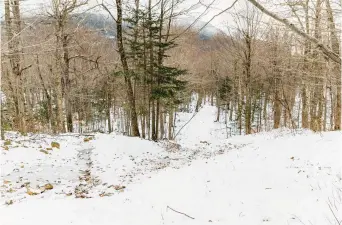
x=284, y=180
x=89, y=169
x=201, y=129
x=86, y=179
x=279, y=177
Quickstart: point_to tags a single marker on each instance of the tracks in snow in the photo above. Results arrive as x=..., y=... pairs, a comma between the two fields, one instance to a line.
x=86, y=180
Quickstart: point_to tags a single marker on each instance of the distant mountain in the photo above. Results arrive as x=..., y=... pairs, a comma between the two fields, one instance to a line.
x=206, y=32
x=106, y=26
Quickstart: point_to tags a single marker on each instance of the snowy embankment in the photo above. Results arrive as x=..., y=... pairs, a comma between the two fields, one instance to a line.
x=278, y=177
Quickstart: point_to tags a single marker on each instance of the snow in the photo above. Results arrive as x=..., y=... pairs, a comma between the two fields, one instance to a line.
x=201, y=128
x=277, y=177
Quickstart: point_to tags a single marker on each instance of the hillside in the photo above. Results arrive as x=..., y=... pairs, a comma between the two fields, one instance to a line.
x=278, y=177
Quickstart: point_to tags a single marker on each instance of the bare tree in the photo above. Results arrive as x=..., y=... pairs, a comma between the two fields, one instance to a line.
x=13, y=32
x=122, y=52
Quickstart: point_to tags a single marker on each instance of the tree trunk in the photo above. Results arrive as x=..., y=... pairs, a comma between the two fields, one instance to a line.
x=332, y=103
x=109, y=106
x=143, y=124
x=66, y=81
x=2, y=121
x=277, y=109
x=13, y=32
x=129, y=90
x=161, y=118
x=199, y=101
x=218, y=108
x=48, y=97
x=149, y=121
x=337, y=66
x=154, y=135
x=265, y=111
x=157, y=120
x=170, y=124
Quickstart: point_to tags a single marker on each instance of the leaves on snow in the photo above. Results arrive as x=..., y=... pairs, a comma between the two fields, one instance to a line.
x=55, y=145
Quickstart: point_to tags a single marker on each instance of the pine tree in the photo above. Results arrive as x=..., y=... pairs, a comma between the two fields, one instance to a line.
x=147, y=50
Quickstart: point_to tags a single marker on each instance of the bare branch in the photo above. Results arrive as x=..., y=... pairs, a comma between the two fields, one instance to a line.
x=329, y=53
x=196, y=20
x=109, y=12
x=180, y=212
x=223, y=11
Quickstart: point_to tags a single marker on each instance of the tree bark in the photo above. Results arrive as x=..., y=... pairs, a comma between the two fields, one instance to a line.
x=48, y=97
x=129, y=89
x=161, y=118
x=109, y=106
x=170, y=124
x=13, y=30
x=337, y=67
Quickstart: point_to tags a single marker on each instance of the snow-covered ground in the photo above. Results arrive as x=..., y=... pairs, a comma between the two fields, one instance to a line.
x=279, y=177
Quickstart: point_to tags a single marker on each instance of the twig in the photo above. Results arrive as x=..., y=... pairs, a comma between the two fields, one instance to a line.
x=75, y=135
x=185, y=124
x=225, y=10
x=108, y=11
x=180, y=212
x=195, y=21
x=299, y=220
x=325, y=49
x=332, y=211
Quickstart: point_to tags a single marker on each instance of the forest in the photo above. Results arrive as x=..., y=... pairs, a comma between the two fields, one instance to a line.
x=164, y=112
x=132, y=67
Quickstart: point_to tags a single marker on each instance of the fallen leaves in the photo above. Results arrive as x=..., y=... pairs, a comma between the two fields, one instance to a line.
x=40, y=190
x=104, y=194
x=118, y=187
x=87, y=139
x=30, y=192
x=81, y=195
x=48, y=186
x=6, y=181
x=7, y=142
x=26, y=184
x=11, y=190
x=44, y=151
x=55, y=145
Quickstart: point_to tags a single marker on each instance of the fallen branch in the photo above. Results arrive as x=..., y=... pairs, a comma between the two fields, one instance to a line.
x=180, y=212
x=75, y=135
x=332, y=211
x=185, y=124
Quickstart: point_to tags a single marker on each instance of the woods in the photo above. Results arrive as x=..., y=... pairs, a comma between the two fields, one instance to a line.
x=170, y=112
x=133, y=67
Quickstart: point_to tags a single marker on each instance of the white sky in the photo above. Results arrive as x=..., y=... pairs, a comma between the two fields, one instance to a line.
x=38, y=6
